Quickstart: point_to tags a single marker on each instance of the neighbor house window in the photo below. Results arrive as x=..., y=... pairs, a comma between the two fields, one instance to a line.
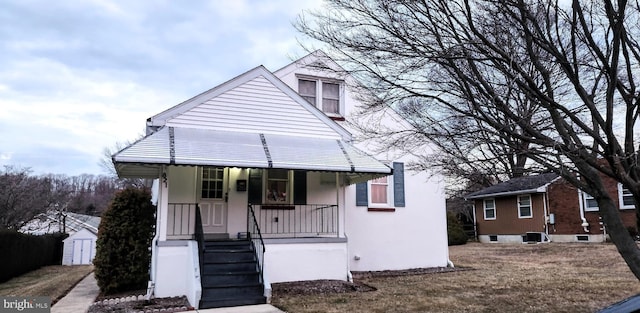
x=211, y=183
x=524, y=206
x=625, y=198
x=590, y=204
x=278, y=186
x=489, y=209
x=323, y=94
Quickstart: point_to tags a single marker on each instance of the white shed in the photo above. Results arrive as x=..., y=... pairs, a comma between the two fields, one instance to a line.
x=79, y=248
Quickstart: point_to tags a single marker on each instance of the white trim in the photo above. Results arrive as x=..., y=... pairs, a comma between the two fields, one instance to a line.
x=318, y=96
x=621, y=198
x=520, y=206
x=587, y=208
x=484, y=209
x=390, y=200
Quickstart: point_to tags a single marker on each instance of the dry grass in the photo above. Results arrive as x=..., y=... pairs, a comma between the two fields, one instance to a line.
x=504, y=278
x=51, y=281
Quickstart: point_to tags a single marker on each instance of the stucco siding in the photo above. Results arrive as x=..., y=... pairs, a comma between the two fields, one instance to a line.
x=414, y=236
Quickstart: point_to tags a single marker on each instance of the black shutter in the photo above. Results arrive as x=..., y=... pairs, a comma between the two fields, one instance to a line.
x=362, y=197
x=299, y=187
x=398, y=184
x=255, y=186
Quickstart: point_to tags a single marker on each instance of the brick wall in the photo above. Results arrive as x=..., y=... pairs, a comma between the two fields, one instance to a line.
x=564, y=204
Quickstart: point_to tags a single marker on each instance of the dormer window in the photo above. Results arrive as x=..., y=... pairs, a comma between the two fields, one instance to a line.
x=325, y=94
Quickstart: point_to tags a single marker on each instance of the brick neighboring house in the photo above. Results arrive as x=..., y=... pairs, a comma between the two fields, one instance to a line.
x=544, y=207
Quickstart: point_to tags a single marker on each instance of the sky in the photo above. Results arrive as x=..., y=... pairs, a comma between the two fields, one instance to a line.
x=77, y=77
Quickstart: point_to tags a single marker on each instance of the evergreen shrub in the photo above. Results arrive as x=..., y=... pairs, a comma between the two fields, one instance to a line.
x=455, y=231
x=124, y=239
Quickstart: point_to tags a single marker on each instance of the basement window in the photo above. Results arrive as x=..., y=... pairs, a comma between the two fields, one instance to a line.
x=493, y=238
x=582, y=238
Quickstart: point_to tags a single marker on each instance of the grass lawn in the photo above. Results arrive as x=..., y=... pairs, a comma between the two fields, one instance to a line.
x=551, y=277
x=53, y=281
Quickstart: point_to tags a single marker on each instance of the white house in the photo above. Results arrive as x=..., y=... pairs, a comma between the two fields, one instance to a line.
x=263, y=174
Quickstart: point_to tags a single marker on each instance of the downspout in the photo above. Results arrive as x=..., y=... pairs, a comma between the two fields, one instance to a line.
x=546, y=215
x=154, y=241
x=344, y=203
x=585, y=224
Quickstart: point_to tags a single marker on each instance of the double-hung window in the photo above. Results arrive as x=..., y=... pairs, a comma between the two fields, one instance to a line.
x=625, y=198
x=380, y=192
x=590, y=204
x=384, y=193
x=489, y=209
x=524, y=206
x=277, y=187
x=325, y=94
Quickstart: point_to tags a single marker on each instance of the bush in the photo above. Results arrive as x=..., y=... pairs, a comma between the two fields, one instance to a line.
x=23, y=253
x=124, y=240
x=455, y=231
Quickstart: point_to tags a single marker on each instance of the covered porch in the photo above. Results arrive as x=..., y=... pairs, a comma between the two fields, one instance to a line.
x=282, y=194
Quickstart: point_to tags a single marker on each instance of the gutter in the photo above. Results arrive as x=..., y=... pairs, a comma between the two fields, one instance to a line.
x=508, y=193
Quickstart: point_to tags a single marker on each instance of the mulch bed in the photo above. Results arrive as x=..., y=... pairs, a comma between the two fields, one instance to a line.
x=413, y=271
x=338, y=286
x=122, y=303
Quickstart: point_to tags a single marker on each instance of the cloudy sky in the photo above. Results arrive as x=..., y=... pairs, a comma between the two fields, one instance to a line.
x=79, y=76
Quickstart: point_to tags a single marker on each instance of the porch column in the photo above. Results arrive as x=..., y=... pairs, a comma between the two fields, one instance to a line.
x=163, y=205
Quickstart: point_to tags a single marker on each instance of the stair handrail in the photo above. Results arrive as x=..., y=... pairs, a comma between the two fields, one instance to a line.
x=253, y=232
x=199, y=237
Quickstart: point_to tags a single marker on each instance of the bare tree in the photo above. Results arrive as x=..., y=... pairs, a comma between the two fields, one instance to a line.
x=22, y=197
x=465, y=68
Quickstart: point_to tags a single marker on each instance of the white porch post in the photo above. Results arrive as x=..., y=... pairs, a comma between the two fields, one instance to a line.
x=163, y=205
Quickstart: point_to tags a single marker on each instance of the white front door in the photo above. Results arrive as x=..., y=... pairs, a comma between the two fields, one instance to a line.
x=212, y=202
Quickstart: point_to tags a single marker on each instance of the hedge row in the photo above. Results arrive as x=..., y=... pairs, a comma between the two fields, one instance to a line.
x=22, y=253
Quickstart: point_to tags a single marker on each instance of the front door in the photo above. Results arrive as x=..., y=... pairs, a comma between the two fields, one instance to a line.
x=212, y=202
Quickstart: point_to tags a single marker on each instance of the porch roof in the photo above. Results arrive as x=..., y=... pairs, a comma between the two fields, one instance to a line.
x=207, y=147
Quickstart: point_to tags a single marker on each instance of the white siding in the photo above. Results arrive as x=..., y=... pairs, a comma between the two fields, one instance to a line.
x=256, y=106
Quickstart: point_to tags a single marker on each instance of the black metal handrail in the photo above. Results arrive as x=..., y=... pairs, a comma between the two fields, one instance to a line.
x=254, y=234
x=199, y=237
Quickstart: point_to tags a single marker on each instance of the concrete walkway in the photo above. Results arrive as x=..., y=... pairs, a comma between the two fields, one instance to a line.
x=80, y=298
x=260, y=308
x=83, y=295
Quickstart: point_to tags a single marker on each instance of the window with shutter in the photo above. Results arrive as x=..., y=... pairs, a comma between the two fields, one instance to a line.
x=383, y=193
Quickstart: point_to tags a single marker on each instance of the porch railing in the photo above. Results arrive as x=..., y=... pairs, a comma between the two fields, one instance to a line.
x=254, y=234
x=294, y=221
x=181, y=223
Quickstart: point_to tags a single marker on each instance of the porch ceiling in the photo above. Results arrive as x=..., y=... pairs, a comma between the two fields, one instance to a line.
x=204, y=147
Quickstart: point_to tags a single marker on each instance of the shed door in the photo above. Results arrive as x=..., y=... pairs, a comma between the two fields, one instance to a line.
x=82, y=251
